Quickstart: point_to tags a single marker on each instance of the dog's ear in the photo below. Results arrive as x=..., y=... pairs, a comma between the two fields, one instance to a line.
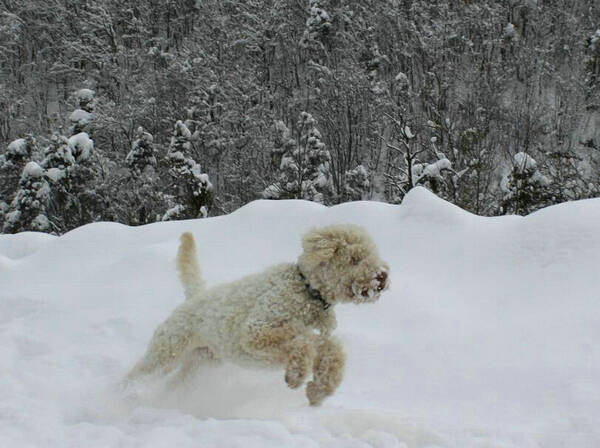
x=321, y=244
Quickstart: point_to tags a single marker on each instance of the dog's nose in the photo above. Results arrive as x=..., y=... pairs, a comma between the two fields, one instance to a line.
x=381, y=278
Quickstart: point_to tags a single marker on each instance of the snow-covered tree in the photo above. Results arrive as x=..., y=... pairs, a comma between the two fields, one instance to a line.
x=318, y=25
x=142, y=155
x=431, y=175
x=82, y=117
x=317, y=183
x=413, y=162
x=569, y=181
x=304, y=170
x=28, y=208
x=71, y=177
x=192, y=190
x=527, y=189
x=357, y=184
x=593, y=59
x=142, y=199
x=12, y=163
x=58, y=154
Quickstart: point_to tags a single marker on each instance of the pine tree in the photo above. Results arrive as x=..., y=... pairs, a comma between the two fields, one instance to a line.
x=192, y=191
x=28, y=208
x=142, y=157
x=143, y=197
x=318, y=25
x=304, y=170
x=73, y=196
x=317, y=184
x=12, y=163
x=527, y=188
x=357, y=184
x=82, y=117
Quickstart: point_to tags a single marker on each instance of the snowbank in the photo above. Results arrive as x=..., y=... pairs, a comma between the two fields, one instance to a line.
x=487, y=338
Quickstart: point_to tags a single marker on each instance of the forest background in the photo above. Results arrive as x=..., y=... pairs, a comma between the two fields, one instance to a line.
x=149, y=110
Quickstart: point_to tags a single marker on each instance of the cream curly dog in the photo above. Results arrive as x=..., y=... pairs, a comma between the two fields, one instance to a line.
x=281, y=317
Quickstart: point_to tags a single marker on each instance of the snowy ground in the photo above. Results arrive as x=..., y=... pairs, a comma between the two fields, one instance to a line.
x=487, y=338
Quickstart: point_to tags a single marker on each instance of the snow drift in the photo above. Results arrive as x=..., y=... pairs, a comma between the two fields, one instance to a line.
x=487, y=338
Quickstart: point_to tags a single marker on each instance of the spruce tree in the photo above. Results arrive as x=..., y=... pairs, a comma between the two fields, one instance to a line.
x=28, y=208
x=191, y=190
x=304, y=168
x=357, y=184
x=527, y=188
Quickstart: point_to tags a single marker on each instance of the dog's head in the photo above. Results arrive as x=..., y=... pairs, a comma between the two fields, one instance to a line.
x=343, y=264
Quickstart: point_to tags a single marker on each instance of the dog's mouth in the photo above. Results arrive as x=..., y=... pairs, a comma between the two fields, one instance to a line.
x=370, y=292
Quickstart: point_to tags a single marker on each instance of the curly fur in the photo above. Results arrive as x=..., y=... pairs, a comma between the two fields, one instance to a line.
x=271, y=318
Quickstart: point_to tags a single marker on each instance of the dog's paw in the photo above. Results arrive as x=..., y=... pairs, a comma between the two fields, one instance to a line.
x=315, y=394
x=295, y=375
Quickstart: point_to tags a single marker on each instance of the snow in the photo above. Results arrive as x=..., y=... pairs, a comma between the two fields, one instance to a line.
x=55, y=174
x=81, y=146
x=85, y=95
x=183, y=129
x=401, y=78
x=524, y=162
x=41, y=223
x=487, y=338
x=32, y=169
x=594, y=39
x=434, y=170
x=173, y=212
x=510, y=31
x=81, y=117
x=18, y=146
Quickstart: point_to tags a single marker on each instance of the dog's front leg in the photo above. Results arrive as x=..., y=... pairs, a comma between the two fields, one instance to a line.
x=300, y=353
x=292, y=345
x=328, y=371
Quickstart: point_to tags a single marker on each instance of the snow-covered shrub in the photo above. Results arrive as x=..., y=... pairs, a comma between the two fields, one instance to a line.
x=28, y=208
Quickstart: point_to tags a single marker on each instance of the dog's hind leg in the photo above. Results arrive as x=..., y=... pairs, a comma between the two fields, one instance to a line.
x=170, y=342
x=328, y=371
x=192, y=361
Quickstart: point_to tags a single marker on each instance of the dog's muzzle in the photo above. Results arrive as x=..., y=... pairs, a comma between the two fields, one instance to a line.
x=377, y=284
x=381, y=279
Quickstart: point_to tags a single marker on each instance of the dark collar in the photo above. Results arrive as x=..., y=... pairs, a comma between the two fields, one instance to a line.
x=313, y=293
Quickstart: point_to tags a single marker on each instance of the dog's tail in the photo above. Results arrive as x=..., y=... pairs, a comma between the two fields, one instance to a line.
x=187, y=265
